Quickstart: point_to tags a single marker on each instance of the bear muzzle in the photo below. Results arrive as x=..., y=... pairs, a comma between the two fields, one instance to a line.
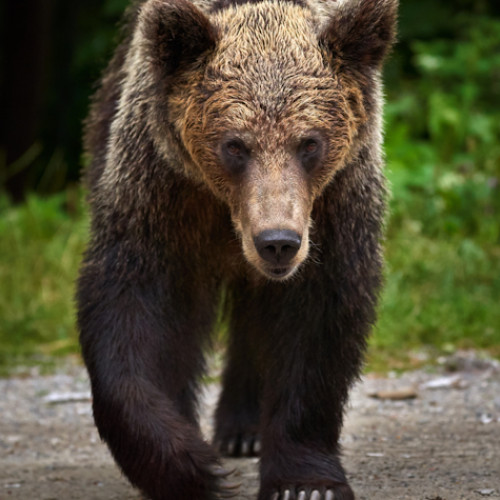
x=276, y=253
x=278, y=247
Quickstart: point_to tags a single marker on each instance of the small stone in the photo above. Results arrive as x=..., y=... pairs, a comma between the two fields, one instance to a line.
x=485, y=418
x=486, y=492
x=448, y=382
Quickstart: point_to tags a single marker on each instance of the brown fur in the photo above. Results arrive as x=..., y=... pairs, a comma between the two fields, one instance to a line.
x=199, y=138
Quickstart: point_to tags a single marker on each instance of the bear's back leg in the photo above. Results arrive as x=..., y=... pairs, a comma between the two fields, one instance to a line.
x=238, y=412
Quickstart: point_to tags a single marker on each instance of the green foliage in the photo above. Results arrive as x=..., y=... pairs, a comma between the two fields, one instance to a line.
x=440, y=294
x=41, y=244
x=443, y=136
x=443, y=151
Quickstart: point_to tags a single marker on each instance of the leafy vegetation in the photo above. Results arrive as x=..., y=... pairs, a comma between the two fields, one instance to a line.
x=41, y=243
x=443, y=241
x=443, y=234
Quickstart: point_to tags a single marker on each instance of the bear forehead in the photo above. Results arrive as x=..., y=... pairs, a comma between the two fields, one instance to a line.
x=268, y=67
x=276, y=33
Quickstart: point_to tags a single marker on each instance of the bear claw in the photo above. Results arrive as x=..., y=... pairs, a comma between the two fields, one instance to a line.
x=303, y=495
x=249, y=446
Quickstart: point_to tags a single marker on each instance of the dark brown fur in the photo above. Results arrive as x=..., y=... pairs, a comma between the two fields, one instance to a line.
x=174, y=224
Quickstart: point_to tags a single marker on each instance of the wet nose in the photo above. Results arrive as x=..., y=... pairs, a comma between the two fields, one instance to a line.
x=277, y=246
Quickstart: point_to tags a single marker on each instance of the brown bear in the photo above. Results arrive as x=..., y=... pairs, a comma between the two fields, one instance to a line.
x=236, y=154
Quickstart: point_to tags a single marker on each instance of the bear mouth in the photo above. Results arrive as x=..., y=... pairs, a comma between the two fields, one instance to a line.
x=278, y=273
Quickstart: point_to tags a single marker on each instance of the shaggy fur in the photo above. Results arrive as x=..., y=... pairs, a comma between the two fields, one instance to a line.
x=217, y=122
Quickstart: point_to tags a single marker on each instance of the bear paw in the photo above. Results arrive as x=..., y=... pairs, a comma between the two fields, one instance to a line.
x=337, y=492
x=239, y=445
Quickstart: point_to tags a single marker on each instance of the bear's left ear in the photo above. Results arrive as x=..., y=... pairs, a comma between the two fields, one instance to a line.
x=361, y=32
x=176, y=34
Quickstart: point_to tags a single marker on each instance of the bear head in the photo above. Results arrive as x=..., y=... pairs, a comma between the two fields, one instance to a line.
x=264, y=102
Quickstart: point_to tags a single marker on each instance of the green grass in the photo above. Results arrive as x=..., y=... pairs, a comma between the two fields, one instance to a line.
x=441, y=294
x=41, y=243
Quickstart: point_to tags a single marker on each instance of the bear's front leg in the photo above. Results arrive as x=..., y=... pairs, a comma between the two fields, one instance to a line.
x=142, y=326
x=313, y=342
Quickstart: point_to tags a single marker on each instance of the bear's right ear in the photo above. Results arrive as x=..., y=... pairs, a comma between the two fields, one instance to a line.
x=176, y=34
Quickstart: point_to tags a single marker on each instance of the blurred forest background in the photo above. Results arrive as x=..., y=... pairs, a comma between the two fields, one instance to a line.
x=443, y=154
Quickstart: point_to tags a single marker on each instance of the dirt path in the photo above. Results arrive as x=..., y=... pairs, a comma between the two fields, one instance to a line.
x=442, y=445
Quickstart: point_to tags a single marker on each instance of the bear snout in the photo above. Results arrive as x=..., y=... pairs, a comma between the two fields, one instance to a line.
x=277, y=246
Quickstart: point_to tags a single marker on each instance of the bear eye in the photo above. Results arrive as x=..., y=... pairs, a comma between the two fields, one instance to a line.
x=311, y=146
x=309, y=153
x=234, y=149
x=235, y=155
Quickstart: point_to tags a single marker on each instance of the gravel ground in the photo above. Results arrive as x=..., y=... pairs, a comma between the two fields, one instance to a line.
x=429, y=436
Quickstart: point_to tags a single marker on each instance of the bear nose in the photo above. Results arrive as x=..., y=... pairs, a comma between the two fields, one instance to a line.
x=277, y=246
